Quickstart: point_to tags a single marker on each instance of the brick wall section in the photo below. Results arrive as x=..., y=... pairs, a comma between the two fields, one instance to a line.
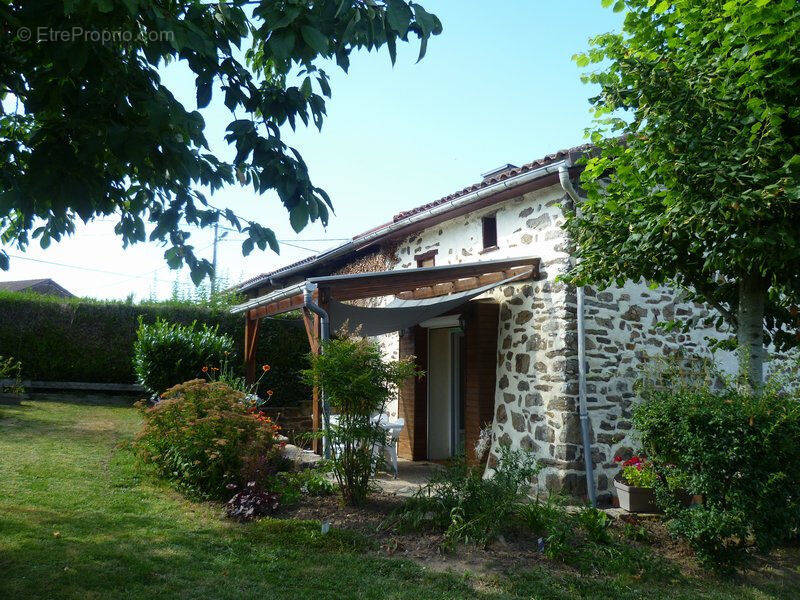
x=293, y=420
x=480, y=338
x=413, y=398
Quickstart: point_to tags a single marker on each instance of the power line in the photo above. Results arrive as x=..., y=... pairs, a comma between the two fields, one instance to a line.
x=80, y=268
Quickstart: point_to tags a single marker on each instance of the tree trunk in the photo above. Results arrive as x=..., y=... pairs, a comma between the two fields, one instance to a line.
x=750, y=331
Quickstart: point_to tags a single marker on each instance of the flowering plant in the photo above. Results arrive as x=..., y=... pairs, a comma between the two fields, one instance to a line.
x=226, y=375
x=205, y=435
x=637, y=471
x=484, y=443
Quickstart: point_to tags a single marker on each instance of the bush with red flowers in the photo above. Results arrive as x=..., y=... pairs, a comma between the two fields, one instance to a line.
x=637, y=471
x=205, y=436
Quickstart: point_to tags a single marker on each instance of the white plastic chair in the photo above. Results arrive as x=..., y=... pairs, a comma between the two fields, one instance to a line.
x=389, y=448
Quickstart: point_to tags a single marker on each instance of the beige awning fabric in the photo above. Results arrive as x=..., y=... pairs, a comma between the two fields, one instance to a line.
x=402, y=314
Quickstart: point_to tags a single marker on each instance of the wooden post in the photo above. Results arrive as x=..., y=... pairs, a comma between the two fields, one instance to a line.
x=311, y=321
x=250, y=344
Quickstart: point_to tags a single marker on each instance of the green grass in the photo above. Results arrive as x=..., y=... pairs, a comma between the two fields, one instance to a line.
x=78, y=520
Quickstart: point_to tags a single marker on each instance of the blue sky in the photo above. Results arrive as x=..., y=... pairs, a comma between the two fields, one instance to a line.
x=497, y=86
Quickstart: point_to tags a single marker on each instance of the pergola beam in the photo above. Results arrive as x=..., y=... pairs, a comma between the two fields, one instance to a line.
x=395, y=283
x=250, y=344
x=311, y=322
x=464, y=285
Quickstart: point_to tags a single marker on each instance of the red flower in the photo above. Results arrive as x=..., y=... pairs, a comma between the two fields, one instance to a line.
x=205, y=369
x=617, y=459
x=269, y=392
x=265, y=368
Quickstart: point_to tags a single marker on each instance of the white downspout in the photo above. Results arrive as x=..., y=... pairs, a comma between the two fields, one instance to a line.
x=563, y=177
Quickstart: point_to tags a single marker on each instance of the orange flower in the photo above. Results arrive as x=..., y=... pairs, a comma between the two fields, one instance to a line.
x=265, y=368
x=205, y=369
x=269, y=392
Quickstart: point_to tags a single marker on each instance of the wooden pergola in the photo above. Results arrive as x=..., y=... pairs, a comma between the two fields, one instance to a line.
x=405, y=284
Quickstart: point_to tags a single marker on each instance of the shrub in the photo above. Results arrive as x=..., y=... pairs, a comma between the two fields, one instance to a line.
x=11, y=369
x=357, y=383
x=166, y=354
x=292, y=486
x=738, y=449
x=469, y=507
x=78, y=339
x=204, y=437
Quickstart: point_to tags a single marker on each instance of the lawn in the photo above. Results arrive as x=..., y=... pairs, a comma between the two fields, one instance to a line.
x=78, y=520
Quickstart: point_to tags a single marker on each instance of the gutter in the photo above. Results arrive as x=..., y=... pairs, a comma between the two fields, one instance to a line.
x=359, y=242
x=566, y=183
x=289, y=292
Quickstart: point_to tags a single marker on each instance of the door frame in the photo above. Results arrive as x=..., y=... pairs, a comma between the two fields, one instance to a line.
x=456, y=366
x=455, y=360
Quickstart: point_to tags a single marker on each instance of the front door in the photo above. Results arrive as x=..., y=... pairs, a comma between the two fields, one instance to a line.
x=445, y=393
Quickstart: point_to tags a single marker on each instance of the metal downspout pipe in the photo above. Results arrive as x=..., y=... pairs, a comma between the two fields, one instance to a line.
x=566, y=184
x=325, y=335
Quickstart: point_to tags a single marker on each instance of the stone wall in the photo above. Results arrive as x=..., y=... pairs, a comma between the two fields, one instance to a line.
x=536, y=400
x=536, y=390
x=622, y=336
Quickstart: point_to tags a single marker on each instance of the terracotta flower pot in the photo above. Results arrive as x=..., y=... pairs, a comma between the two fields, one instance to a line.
x=635, y=499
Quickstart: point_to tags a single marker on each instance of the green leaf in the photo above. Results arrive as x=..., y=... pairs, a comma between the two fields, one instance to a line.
x=793, y=164
x=282, y=43
x=662, y=7
x=204, y=89
x=104, y=6
x=305, y=87
x=423, y=48
x=398, y=15
x=272, y=241
x=298, y=217
x=391, y=44
x=314, y=38
x=581, y=60
x=173, y=257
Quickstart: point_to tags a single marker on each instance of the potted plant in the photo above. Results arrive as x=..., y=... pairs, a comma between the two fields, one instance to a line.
x=635, y=483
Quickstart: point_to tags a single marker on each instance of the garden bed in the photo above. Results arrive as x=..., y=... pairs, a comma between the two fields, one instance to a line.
x=429, y=548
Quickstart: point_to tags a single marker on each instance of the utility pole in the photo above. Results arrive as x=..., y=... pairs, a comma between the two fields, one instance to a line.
x=214, y=260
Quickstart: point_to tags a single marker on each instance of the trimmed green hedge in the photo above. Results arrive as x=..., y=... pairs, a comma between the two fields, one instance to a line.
x=59, y=339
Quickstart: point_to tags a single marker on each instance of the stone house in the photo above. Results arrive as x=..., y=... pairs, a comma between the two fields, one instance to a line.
x=508, y=358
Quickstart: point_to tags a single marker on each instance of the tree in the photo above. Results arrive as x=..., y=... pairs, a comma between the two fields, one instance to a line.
x=87, y=127
x=357, y=383
x=695, y=178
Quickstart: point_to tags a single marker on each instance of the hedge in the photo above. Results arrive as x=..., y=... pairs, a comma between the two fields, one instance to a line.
x=59, y=339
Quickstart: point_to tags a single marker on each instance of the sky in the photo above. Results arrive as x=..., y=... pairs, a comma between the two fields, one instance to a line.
x=497, y=86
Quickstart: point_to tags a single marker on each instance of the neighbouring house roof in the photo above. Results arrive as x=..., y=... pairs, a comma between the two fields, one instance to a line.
x=37, y=286
x=512, y=177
